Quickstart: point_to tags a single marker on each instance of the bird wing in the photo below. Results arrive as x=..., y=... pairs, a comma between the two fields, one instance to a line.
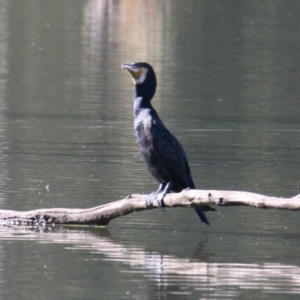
x=168, y=149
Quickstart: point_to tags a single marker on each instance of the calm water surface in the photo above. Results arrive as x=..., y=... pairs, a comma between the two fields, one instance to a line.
x=228, y=74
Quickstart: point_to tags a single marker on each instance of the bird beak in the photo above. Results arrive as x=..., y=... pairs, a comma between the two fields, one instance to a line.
x=133, y=70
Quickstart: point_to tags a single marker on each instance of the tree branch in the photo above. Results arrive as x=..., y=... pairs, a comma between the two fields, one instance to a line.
x=102, y=215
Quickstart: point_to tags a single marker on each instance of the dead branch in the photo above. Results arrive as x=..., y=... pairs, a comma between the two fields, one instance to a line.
x=102, y=215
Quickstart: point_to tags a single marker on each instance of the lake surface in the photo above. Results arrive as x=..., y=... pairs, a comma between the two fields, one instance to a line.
x=228, y=87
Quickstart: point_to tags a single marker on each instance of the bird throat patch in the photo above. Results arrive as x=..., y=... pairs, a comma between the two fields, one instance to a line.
x=139, y=76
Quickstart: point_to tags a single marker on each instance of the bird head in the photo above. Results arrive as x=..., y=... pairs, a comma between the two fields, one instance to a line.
x=143, y=78
x=139, y=71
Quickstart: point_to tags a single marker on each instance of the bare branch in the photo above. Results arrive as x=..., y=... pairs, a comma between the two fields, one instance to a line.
x=102, y=215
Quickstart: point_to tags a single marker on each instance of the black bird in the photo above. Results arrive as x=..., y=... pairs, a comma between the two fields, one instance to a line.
x=163, y=154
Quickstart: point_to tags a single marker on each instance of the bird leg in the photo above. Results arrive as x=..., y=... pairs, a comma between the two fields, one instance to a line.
x=159, y=195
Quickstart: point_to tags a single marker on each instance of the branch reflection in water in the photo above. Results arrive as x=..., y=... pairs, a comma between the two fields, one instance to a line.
x=222, y=279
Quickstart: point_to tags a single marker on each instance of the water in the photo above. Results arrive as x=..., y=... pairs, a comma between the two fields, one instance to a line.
x=228, y=88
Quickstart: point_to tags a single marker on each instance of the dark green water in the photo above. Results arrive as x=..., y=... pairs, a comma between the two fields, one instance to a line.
x=228, y=75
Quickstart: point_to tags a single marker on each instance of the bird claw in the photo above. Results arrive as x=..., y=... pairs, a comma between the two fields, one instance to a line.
x=156, y=197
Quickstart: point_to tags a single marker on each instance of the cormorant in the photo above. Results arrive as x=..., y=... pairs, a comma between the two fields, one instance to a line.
x=162, y=152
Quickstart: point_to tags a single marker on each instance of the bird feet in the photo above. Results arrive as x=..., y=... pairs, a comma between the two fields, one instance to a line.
x=158, y=196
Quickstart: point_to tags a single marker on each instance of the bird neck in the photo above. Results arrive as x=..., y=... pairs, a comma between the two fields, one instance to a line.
x=142, y=98
x=146, y=90
x=141, y=103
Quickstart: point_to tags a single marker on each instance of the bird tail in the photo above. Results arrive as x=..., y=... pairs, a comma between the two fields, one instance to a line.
x=201, y=214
